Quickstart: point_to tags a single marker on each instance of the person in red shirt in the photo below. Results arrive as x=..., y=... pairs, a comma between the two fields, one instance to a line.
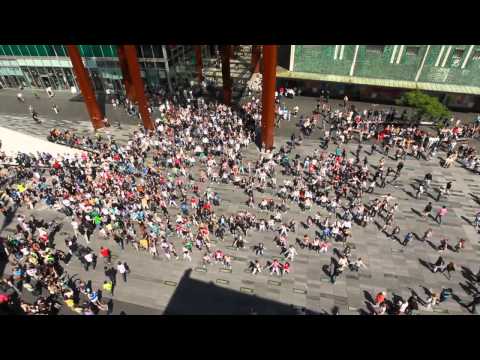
x=380, y=298
x=286, y=268
x=106, y=254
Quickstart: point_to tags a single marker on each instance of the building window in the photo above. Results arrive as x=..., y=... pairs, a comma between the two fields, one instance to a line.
x=375, y=49
x=412, y=50
x=59, y=50
x=147, y=51
x=457, y=57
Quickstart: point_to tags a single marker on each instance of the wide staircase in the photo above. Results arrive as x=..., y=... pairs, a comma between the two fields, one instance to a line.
x=239, y=71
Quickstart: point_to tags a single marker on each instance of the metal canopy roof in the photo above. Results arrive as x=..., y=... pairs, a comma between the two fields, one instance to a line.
x=458, y=89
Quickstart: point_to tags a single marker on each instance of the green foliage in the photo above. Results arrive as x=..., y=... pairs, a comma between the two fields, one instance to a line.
x=426, y=105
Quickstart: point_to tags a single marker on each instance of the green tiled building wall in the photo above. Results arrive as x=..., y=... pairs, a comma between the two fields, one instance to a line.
x=450, y=74
x=320, y=59
x=372, y=65
x=57, y=50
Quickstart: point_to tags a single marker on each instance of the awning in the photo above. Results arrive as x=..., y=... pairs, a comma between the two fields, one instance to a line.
x=449, y=88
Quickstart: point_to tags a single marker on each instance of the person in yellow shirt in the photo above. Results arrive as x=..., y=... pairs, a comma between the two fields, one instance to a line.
x=108, y=286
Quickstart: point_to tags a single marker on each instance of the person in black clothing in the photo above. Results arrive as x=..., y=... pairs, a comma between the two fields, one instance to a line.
x=449, y=269
x=332, y=269
x=94, y=261
x=383, y=179
x=412, y=305
x=427, y=210
x=438, y=265
x=111, y=274
x=119, y=240
x=357, y=153
x=90, y=228
x=399, y=168
x=428, y=179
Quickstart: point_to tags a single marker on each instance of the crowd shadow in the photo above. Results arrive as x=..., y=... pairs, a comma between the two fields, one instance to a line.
x=468, y=274
x=426, y=264
x=475, y=198
x=3, y=260
x=8, y=218
x=201, y=298
x=417, y=297
x=368, y=297
x=416, y=212
x=409, y=193
x=467, y=220
x=469, y=288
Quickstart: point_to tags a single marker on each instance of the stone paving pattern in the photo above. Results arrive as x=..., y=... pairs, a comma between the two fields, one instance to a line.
x=161, y=286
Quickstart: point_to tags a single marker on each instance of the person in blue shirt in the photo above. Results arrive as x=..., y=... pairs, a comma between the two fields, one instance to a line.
x=184, y=208
x=407, y=239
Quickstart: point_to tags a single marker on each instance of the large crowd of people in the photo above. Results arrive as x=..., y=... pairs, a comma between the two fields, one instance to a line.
x=153, y=194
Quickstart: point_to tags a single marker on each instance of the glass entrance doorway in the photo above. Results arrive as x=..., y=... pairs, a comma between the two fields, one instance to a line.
x=45, y=81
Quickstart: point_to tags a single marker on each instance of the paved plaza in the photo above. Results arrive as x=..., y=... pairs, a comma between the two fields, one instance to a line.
x=158, y=286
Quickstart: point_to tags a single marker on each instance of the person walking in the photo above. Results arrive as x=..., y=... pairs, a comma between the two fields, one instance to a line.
x=441, y=190
x=407, y=238
x=438, y=265
x=427, y=235
x=380, y=298
x=399, y=169
x=106, y=254
x=332, y=270
x=108, y=287
x=256, y=267
x=420, y=191
x=111, y=274
x=440, y=214
x=460, y=245
x=428, y=179
x=75, y=226
x=445, y=294
x=450, y=268
x=121, y=268
x=291, y=252
x=260, y=249
x=88, y=260
x=428, y=209
x=275, y=267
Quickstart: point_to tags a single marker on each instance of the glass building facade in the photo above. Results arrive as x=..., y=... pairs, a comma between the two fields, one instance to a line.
x=41, y=66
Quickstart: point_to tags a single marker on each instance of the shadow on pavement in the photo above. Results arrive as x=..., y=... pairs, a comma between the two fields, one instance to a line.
x=195, y=297
x=9, y=216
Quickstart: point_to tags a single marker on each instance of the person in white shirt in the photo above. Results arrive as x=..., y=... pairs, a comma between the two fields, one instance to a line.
x=357, y=264
x=122, y=269
x=291, y=252
x=88, y=259
x=75, y=227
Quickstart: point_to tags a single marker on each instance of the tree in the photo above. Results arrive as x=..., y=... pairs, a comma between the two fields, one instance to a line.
x=425, y=105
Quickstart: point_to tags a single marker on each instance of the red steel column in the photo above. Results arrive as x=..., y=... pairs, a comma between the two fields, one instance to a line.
x=268, y=94
x=198, y=62
x=255, y=62
x=127, y=79
x=227, y=80
x=137, y=82
x=86, y=87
